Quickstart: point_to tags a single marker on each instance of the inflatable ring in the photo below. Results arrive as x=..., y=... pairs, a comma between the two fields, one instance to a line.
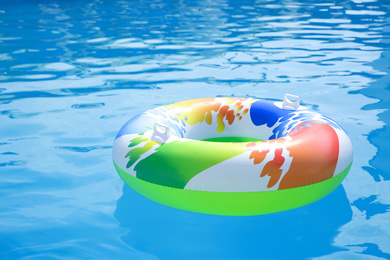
x=233, y=156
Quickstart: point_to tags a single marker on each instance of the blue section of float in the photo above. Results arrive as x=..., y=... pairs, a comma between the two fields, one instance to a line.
x=266, y=112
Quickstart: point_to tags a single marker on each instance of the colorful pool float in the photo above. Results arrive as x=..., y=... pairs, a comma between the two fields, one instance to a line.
x=232, y=156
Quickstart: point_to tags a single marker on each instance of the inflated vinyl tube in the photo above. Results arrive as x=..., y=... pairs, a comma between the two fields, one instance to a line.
x=233, y=156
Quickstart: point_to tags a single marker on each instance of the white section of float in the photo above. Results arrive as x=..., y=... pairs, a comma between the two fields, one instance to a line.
x=345, y=151
x=239, y=174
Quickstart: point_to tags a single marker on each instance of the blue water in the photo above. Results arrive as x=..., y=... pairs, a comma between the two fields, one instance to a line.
x=73, y=72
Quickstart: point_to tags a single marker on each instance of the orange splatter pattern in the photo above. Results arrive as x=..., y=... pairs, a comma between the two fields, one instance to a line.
x=314, y=151
x=272, y=167
x=201, y=110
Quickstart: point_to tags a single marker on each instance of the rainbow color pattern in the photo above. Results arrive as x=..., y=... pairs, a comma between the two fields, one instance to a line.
x=233, y=156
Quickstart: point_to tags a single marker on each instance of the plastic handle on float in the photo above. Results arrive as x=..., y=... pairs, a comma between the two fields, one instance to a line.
x=160, y=133
x=290, y=104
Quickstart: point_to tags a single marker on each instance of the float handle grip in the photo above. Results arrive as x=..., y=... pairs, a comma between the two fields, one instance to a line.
x=289, y=103
x=161, y=133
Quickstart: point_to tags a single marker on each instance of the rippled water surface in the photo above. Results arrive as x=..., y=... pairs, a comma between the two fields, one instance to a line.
x=73, y=72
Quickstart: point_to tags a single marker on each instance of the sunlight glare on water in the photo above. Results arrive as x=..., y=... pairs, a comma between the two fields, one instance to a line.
x=72, y=73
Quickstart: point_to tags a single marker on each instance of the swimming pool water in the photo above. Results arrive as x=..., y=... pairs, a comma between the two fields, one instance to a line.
x=73, y=72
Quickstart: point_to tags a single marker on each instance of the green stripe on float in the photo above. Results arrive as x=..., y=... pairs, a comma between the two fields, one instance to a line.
x=233, y=203
x=175, y=164
x=232, y=139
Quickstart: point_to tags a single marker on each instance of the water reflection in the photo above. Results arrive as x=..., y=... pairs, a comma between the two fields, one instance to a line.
x=220, y=42
x=371, y=205
x=174, y=234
